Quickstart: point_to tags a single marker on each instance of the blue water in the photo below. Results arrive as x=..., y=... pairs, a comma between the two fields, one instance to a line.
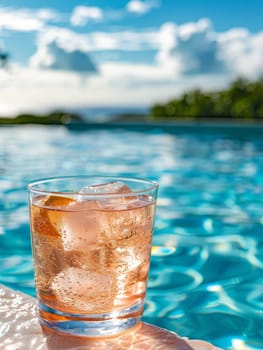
x=207, y=260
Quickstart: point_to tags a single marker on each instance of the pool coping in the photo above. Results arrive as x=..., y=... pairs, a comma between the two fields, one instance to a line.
x=176, y=127
x=20, y=330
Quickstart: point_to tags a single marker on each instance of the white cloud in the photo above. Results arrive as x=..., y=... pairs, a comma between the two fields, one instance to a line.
x=65, y=38
x=36, y=90
x=141, y=7
x=195, y=48
x=19, y=20
x=82, y=14
x=99, y=41
x=187, y=56
x=59, y=48
x=52, y=56
x=191, y=48
x=25, y=20
x=117, y=84
x=242, y=52
x=124, y=41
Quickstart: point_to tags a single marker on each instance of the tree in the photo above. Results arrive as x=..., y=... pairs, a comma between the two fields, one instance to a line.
x=243, y=99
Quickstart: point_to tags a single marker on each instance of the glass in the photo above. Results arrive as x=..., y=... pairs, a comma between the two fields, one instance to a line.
x=91, y=241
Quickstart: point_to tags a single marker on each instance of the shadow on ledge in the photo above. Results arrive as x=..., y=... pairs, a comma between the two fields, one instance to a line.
x=141, y=338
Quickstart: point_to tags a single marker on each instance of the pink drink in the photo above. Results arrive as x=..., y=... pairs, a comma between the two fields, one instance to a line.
x=92, y=254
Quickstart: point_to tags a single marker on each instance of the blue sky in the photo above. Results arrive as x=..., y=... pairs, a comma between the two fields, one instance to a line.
x=124, y=52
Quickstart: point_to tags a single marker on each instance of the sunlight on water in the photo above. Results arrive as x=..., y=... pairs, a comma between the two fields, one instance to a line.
x=162, y=251
x=207, y=257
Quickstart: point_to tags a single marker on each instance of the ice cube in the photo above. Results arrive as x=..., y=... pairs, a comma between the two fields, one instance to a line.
x=127, y=263
x=96, y=257
x=80, y=224
x=84, y=221
x=129, y=223
x=130, y=275
x=66, y=218
x=116, y=187
x=83, y=290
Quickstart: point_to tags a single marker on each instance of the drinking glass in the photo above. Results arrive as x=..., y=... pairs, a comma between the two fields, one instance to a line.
x=91, y=242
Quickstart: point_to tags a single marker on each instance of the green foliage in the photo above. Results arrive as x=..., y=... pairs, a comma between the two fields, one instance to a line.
x=243, y=99
x=55, y=118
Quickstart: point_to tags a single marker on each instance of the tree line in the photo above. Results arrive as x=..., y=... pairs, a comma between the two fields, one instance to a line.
x=242, y=100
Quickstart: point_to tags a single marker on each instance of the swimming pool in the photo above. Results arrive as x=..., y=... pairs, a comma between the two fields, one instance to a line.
x=207, y=258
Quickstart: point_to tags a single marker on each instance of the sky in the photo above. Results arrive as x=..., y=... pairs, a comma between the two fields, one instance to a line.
x=77, y=54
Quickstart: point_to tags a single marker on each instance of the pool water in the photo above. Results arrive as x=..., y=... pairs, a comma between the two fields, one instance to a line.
x=207, y=258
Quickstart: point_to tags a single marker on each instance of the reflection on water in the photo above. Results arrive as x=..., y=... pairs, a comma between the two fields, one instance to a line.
x=207, y=257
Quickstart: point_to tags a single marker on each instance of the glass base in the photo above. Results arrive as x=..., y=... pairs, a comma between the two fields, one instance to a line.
x=95, y=325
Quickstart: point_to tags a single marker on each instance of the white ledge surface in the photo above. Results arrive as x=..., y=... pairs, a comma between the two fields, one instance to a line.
x=20, y=330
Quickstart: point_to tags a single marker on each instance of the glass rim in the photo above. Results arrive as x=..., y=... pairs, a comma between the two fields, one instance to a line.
x=153, y=185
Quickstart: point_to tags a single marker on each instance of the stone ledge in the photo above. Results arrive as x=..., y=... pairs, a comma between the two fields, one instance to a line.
x=20, y=330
